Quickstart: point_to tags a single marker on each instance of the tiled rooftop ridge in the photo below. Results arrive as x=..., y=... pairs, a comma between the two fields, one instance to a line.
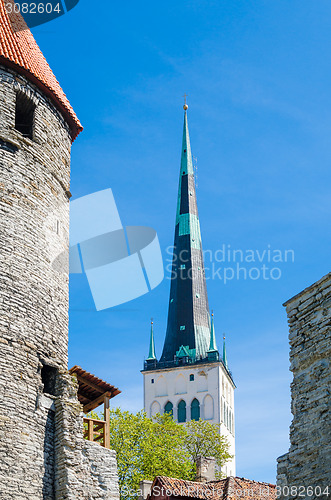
x=20, y=51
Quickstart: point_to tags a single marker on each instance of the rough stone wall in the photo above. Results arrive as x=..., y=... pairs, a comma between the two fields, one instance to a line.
x=34, y=225
x=307, y=465
x=83, y=469
x=33, y=296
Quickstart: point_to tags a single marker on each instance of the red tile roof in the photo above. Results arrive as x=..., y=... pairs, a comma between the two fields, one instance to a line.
x=19, y=51
x=231, y=488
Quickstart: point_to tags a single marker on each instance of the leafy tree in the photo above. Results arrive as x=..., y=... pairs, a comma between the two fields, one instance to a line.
x=147, y=447
x=203, y=439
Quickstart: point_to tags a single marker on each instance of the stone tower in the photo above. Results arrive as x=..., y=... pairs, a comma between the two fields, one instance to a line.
x=305, y=471
x=42, y=451
x=190, y=380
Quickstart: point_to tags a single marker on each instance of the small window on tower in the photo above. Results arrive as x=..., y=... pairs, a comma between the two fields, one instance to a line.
x=152, y=381
x=191, y=377
x=182, y=327
x=24, y=115
x=48, y=378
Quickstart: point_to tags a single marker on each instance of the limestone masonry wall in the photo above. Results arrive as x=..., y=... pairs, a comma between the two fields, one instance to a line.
x=308, y=462
x=35, y=455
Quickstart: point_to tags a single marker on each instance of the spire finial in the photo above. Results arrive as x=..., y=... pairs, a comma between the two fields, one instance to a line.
x=151, y=355
x=212, y=345
x=185, y=105
x=225, y=360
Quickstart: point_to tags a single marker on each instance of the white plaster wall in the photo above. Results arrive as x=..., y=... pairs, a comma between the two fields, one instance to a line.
x=211, y=381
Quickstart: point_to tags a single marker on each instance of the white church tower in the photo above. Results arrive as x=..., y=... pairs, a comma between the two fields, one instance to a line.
x=191, y=380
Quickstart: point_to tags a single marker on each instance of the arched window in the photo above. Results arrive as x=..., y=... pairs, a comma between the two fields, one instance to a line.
x=181, y=411
x=169, y=408
x=161, y=386
x=155, y=408
x=180, y=385
x=208, y=407
x=195, y=409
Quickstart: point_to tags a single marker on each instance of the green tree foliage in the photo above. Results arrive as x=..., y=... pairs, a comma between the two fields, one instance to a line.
x=146, y=448
x=160, y=446
x=203, y=439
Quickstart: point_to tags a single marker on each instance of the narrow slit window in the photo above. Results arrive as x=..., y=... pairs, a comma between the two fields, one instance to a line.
x=24, y=115
x=48, y=377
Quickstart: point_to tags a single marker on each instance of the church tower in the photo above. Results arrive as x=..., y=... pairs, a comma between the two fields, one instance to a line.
x=191, y=380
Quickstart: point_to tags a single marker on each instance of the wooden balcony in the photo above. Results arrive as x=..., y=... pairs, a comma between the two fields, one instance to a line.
x=96, y=431
x=92, y=392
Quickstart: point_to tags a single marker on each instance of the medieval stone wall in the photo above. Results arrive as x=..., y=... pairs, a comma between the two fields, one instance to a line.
x=83, y=470
x=34, y=226
x=33, y=296
x=307, y=465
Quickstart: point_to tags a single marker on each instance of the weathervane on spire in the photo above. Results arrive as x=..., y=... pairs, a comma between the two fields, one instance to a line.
x=185, y=105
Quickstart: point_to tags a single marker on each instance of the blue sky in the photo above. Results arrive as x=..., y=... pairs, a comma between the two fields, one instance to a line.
x=258, y=79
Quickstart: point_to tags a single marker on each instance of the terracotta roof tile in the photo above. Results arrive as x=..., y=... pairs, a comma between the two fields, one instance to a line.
x=231, y=488
x=19, y=50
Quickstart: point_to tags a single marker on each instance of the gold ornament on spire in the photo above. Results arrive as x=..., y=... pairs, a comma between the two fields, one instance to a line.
x=185, y=105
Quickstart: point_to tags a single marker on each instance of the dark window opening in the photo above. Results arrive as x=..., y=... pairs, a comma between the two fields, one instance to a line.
x=48, y=377
x=152, y=381
x=24, y=115
x=181, y=411
x=169, y=408
x=191, y=378
x=195, y=410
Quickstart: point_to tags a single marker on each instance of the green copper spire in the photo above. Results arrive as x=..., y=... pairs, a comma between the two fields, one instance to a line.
x=151, y=355
x=212, y=346
x=186, y=159
x=212, y=353
x=188, y=313
x=225, y=361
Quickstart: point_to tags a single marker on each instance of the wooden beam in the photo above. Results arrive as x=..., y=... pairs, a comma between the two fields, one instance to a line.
x=90, y=384
x=96, y=402
x=90, y=430
x=106, y=441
